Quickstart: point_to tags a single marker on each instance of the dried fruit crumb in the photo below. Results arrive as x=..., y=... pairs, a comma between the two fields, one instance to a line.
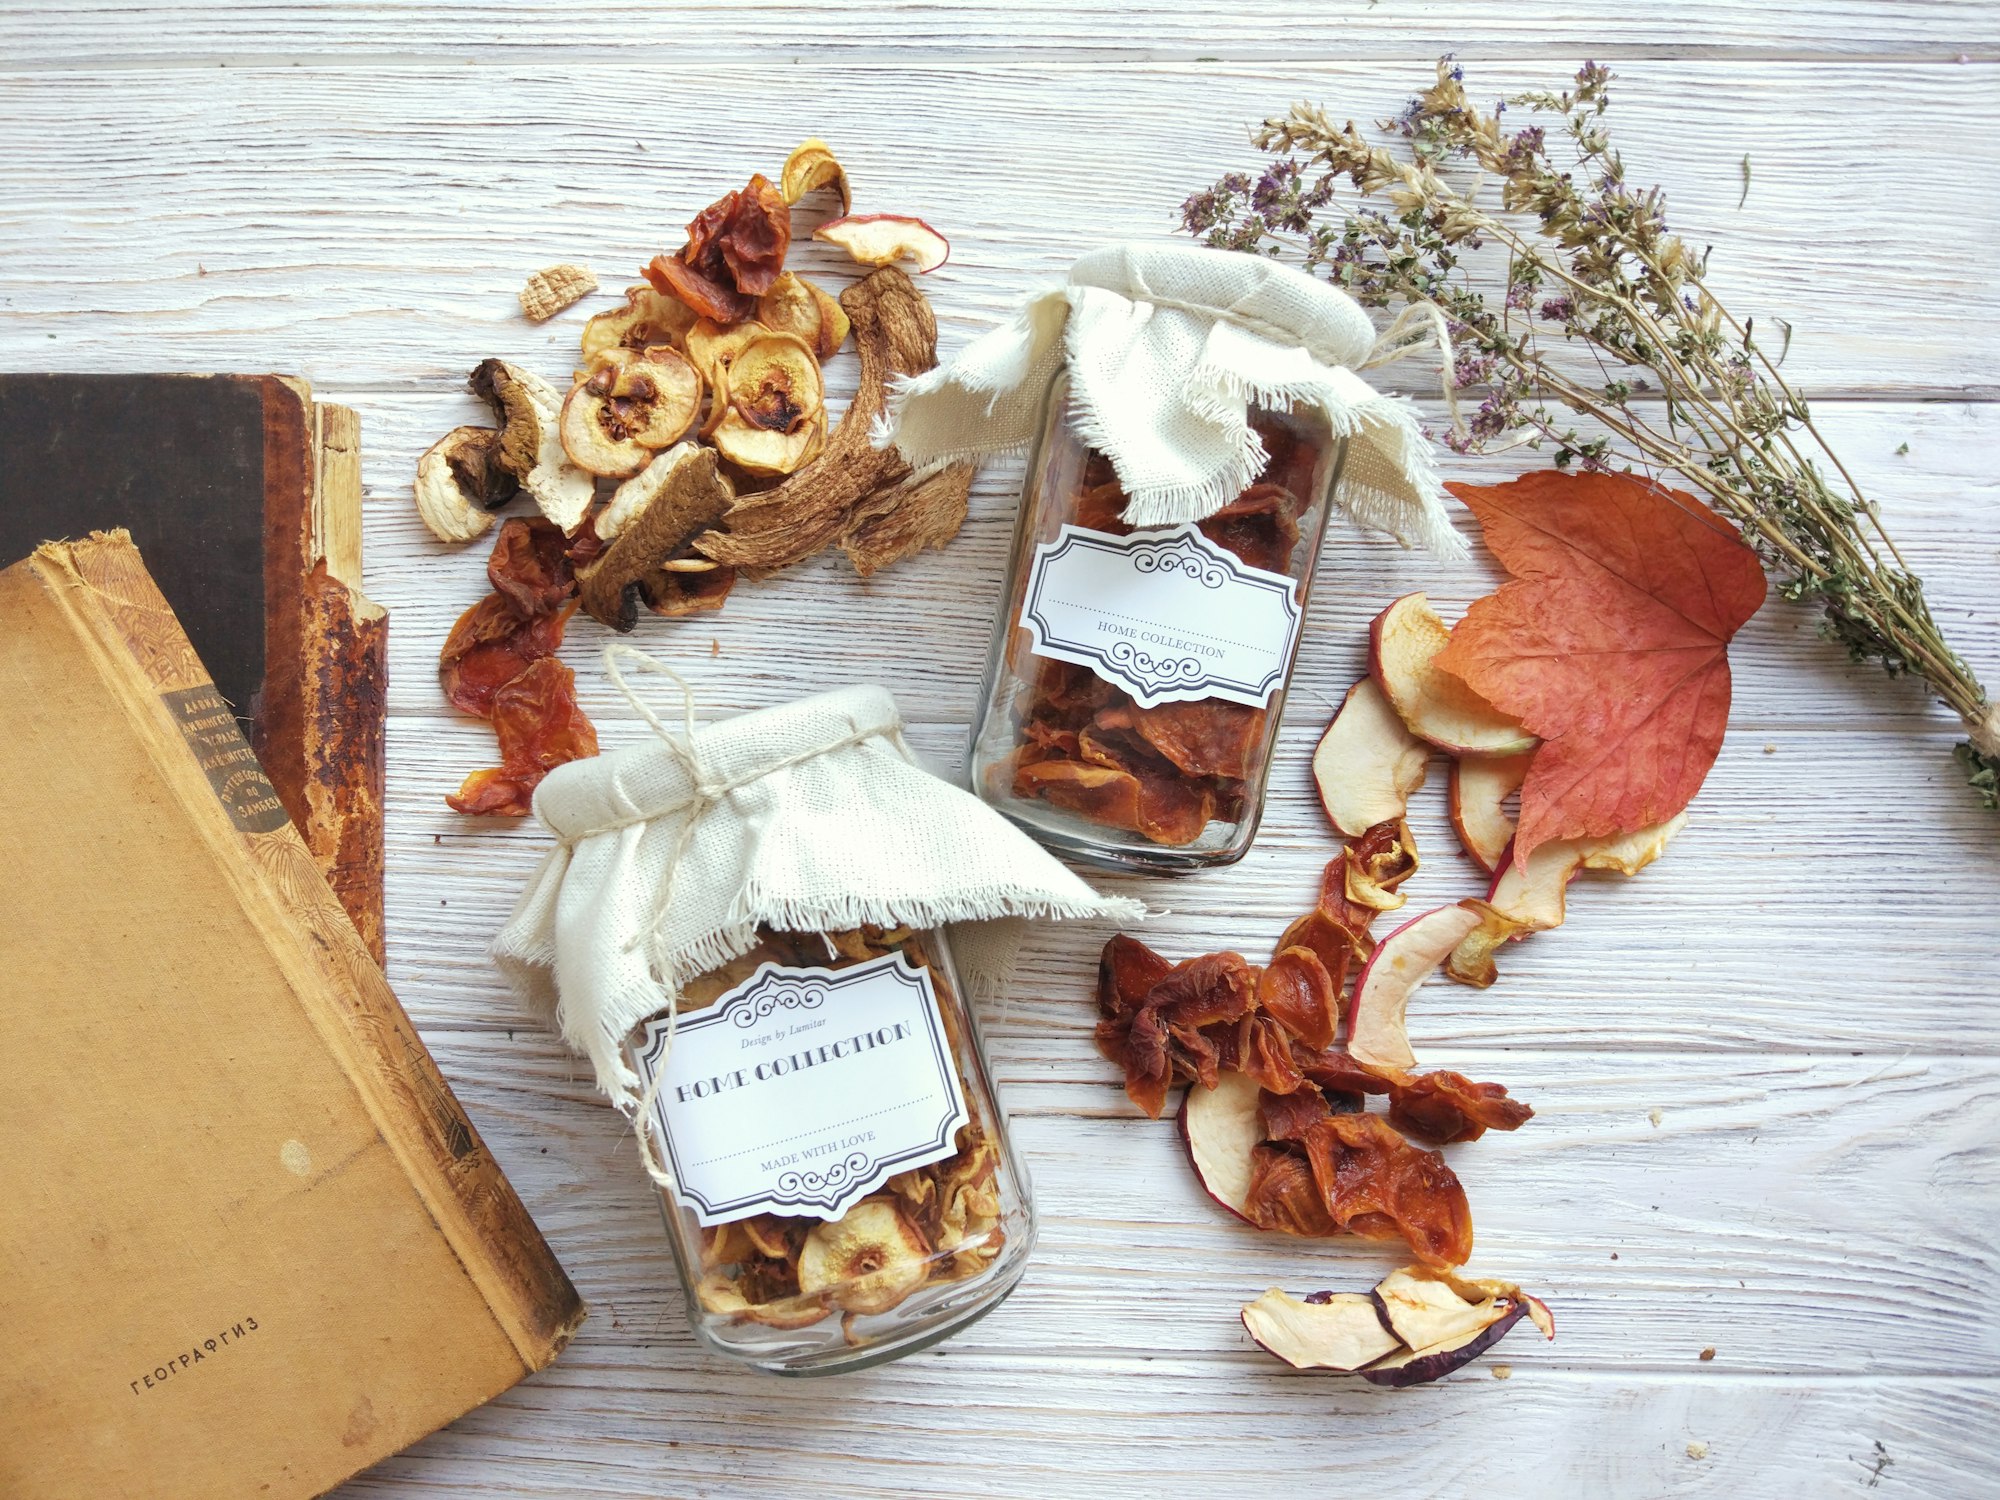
x=1654, y=1116
x=1697, y=1449
x=1708, y=1353
x=1503, y=1372
x=1770, y=749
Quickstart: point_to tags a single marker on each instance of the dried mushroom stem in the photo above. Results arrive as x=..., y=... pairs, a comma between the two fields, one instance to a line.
x=530, y=411
x=681, y=494
x=460, y=483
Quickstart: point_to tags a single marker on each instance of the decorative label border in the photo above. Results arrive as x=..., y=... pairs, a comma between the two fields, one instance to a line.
x=1165, y=677
x=831, y=1190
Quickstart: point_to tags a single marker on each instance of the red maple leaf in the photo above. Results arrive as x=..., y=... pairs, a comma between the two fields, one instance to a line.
x=1610, y=642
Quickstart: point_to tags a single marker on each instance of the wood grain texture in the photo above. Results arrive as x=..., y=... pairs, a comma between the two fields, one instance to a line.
x=1801, y=990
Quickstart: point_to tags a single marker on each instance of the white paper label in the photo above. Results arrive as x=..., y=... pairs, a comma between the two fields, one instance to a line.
x=802, y=1090
x=1167, y=615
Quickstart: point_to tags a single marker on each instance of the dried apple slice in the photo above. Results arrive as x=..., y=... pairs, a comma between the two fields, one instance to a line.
x=1532, y=894
x=713, y=348
x=884, y=239
x=834, y=324
x=1220, y=1128
x=1480, y=787
x=614, y=422
x=756, y=450
x=867, y=1261
x=1419, y=1366
x=1422, y=1311
x=1402, y=643
x=1327, y=1331
x=810, y=167
x=1367, y=762
x=774, y=383
x=1378, y=1037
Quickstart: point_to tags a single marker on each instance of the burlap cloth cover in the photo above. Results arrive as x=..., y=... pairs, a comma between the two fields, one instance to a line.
x=1167, y=348
x=811, y=816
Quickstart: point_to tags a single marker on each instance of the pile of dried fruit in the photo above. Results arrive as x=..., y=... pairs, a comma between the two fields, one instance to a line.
x=693, y=442
x=1162, y=772
x=931, y=1225
x=1596, y=685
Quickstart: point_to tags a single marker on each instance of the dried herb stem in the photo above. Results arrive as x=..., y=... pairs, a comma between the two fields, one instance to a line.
x=1588, y=264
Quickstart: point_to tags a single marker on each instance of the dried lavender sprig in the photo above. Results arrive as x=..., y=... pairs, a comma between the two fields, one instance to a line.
x=1591, y=268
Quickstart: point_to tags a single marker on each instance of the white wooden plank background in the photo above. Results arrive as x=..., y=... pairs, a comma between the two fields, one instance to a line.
x=1767, y=1072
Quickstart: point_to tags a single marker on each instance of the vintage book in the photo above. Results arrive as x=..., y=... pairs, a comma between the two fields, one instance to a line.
x=244, y=496
x=249, y=1242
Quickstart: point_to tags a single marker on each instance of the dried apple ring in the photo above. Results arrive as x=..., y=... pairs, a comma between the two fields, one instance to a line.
x=774, y=383
x=811, y=167
x=615, y=421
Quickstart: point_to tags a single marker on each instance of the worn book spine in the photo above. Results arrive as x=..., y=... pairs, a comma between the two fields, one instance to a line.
x=114, y=604
x=320, y=720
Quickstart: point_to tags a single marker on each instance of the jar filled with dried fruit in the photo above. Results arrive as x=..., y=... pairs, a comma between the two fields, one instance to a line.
x=1137, y=674
x=835, y=1172
x=1191, y=416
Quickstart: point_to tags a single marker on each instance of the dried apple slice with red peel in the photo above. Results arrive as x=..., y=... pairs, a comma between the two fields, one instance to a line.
x=1328, y=1331
x=1378, y=1037
x=1480, y=787
x=1367, y=762
x=1533, y=897
x=884, y=239
x=1220, y=1128
x=1403, y=643
x=1419, y=1366
x=1422, y=1311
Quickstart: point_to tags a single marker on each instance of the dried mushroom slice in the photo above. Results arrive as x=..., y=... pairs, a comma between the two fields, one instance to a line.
x=460, y=483
x=867, y=1261
x=810, y=167
x=614, y=422
x=531, y=449
x=551, y=290
x=683, y=494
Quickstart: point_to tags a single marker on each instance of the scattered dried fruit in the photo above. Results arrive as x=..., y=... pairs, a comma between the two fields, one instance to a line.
x=460, y=483
x=549, y=291
x=810, y=167
x=884, y=239
x=531, y=446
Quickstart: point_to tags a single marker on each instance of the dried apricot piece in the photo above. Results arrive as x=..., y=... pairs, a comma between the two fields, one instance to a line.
x=490, y=645
x=1443, y=1106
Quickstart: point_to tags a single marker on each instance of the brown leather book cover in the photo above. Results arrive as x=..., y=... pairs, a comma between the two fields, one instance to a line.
x=244, y=495
x=258, y=1243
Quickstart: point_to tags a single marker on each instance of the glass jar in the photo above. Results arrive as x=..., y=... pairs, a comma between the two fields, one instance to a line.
x=844, y=1188
x=1136, y=677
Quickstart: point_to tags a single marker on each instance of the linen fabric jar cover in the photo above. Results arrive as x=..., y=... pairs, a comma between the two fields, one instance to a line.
x=812, y=816
x=1168, y=347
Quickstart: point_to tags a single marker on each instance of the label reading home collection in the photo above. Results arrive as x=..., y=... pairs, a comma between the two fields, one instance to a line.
x=1167, y=615
x=802, y=1090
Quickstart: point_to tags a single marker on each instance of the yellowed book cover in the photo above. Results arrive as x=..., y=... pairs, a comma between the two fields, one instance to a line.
x=249, y=1243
